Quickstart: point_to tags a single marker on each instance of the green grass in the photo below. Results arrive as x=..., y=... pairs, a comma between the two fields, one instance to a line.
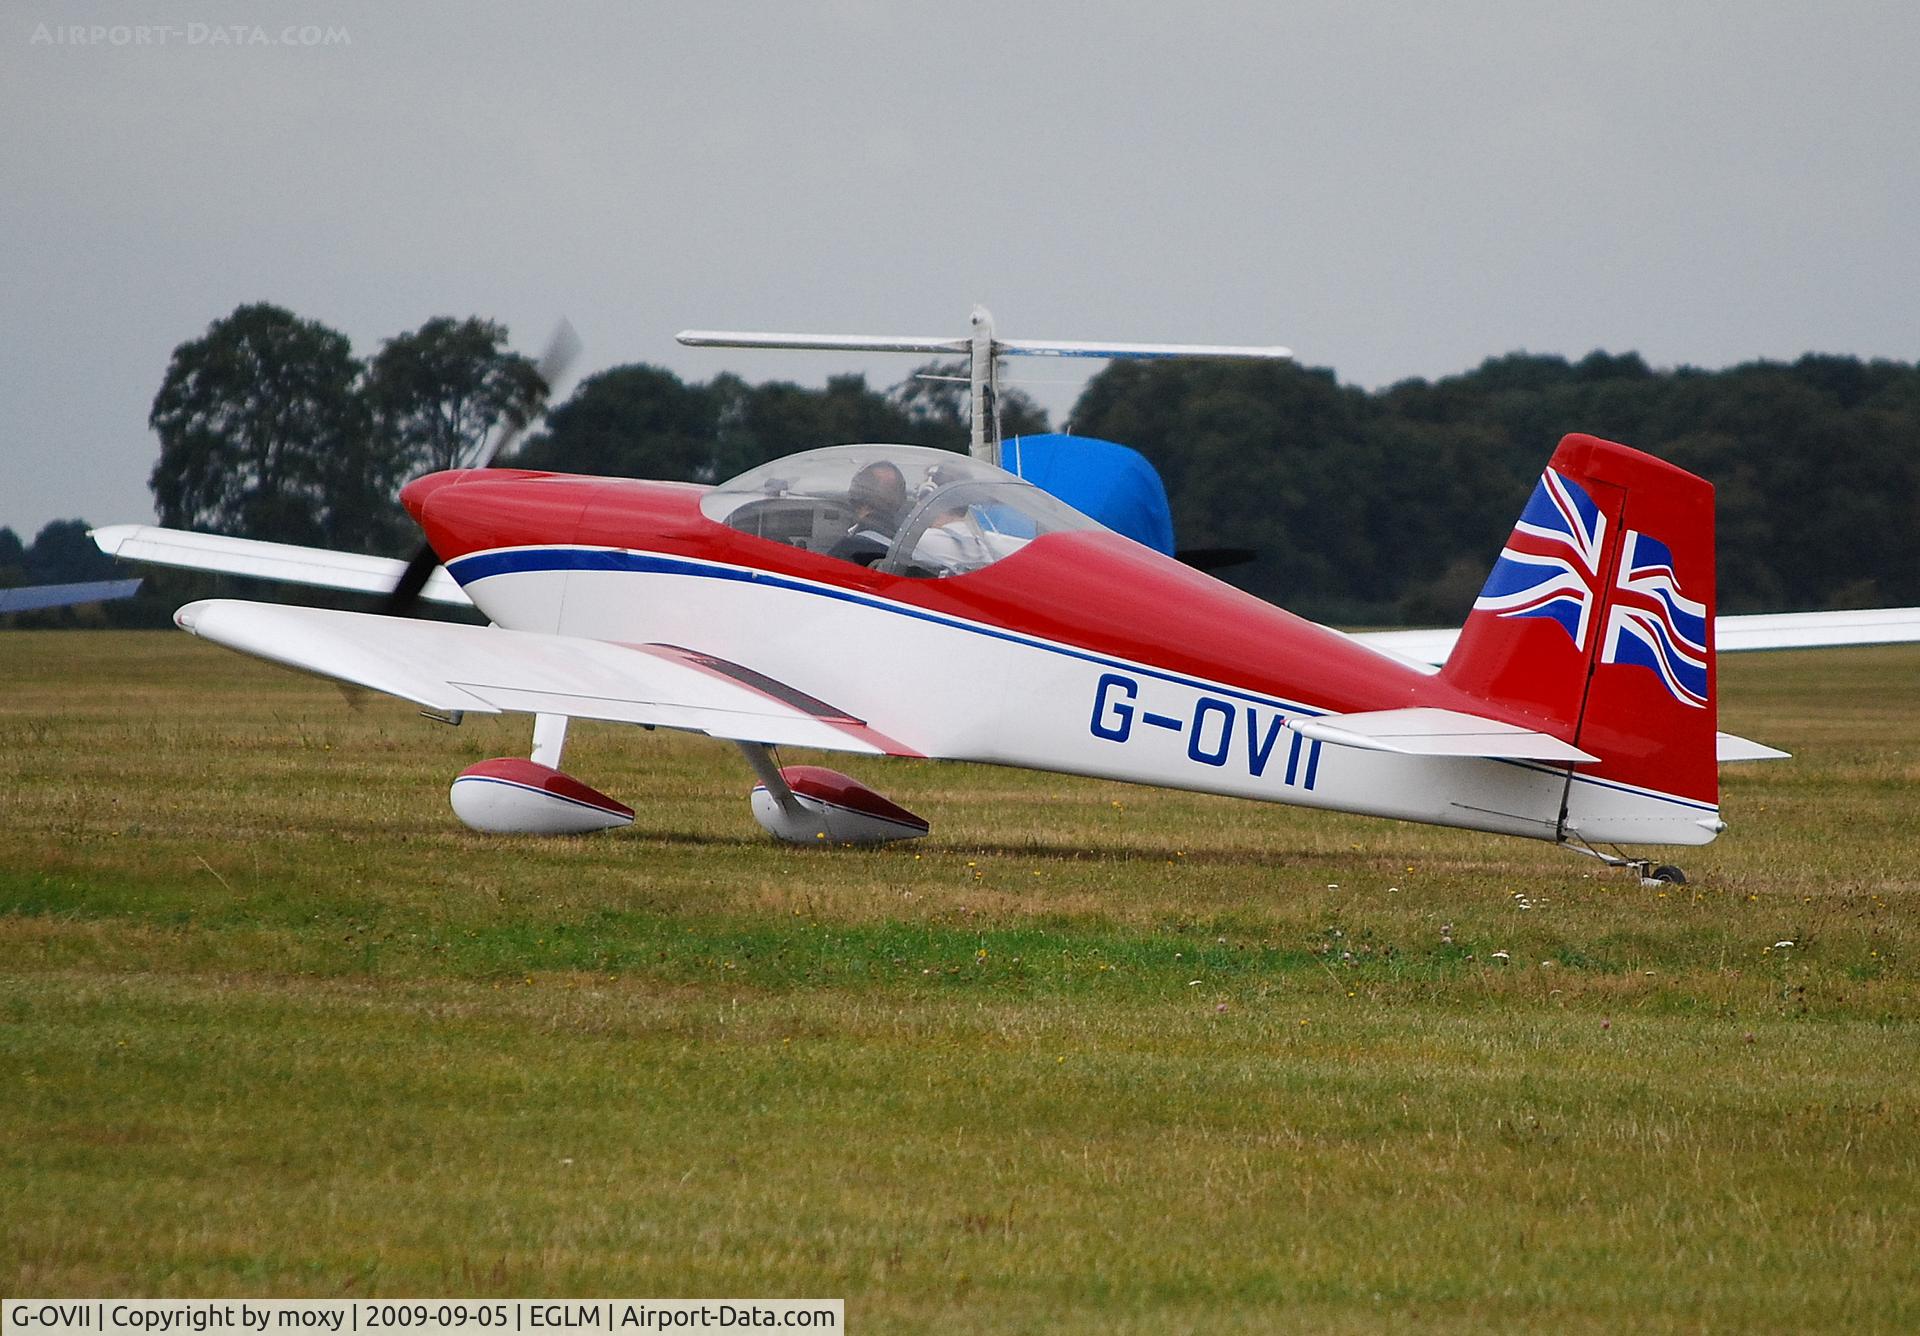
x=1089, y=1058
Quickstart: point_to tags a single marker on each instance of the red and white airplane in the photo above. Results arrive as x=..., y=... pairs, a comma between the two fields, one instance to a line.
x=894, y=600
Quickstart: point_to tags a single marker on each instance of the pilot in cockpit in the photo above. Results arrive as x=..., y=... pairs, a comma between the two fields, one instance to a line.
x=878, y=496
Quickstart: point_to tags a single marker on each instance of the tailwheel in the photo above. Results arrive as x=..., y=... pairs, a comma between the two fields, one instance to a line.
x=1650, y=872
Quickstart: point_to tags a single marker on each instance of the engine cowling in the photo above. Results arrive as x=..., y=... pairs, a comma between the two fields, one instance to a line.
x=831, y=808
x=510, y=796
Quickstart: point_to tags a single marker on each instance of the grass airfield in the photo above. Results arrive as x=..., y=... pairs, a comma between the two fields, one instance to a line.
x=1090, y=1058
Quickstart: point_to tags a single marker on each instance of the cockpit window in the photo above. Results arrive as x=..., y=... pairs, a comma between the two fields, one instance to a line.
x=905, y=509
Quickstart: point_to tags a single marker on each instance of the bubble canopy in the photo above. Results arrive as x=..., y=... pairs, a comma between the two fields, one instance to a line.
x=902, y=509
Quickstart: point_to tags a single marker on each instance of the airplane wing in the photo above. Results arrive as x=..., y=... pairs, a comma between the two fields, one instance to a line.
x=488, y=670
x=1732, y=635
x=33, y=598
x=268, y=561
x=1812, y=630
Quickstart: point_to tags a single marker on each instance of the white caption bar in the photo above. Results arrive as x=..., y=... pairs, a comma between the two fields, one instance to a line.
x=413, y=1317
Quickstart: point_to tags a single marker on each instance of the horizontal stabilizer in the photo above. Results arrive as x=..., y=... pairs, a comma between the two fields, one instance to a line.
x=487, y=670
x=1435, y=732
x=1727, y=747
x=286, y=562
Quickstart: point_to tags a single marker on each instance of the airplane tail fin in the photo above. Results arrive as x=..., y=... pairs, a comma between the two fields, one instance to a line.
x=1597, y=620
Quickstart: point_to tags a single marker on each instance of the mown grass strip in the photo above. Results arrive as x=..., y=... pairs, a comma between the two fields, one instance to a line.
x=1090, y=1059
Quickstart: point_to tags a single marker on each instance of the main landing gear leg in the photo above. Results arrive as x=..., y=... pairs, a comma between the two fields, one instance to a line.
x=767, y=771
x=549, y=739
x=809, y=804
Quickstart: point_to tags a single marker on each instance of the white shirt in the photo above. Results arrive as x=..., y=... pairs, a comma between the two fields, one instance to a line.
x=952, y=547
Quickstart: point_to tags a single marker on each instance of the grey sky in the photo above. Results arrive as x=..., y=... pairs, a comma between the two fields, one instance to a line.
x=1392, y=190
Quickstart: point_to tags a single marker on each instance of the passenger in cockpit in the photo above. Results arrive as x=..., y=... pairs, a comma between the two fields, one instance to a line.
x=952, y=543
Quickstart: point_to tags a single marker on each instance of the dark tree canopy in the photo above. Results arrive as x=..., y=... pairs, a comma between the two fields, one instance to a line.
x=645, y=422
x=263, y=435
x=270, y=428
x=436, y=393
x=63, y=553
x=1391, y=506
x=628, y=421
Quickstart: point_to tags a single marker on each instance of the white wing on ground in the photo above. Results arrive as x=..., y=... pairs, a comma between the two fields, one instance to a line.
x=1732, y=635
x=487, y=670
x=1422, y=648
x=268, y=561
x=1814, y=630
x=34, y=598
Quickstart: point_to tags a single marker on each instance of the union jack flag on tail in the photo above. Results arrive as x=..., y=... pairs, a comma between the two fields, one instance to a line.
x=1596, y=621
x=1652, y=624
x=1549, y=566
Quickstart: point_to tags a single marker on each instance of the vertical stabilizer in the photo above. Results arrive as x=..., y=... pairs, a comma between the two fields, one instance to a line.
x=1597, y=620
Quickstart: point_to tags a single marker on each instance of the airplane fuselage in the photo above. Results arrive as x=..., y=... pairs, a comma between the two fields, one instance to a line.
x=1081, y=653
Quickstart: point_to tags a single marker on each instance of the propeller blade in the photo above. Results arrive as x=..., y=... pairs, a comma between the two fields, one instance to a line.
x=406, y=591
x=560, y=353
x=562, y=348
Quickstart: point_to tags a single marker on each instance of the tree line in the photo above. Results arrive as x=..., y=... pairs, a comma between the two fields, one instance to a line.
x=1364, y=506
x=1390, y=506
x=60, y=553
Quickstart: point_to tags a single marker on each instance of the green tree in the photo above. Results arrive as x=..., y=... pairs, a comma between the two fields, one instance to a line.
x=436, y=393
x=1260, y=455
x=263, y=435
x=644, y=422
x=13, y=558
x=62, y=553
x=780, y=418
x=632, y=421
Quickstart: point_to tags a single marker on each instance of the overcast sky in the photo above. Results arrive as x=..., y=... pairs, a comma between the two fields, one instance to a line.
x=1393, y=190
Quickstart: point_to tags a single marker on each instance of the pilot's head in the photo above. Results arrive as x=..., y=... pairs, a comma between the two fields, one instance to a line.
x=878, y=491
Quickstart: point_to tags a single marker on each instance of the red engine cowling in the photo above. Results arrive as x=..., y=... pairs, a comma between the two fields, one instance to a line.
x=831, y=808
x=510, y=796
